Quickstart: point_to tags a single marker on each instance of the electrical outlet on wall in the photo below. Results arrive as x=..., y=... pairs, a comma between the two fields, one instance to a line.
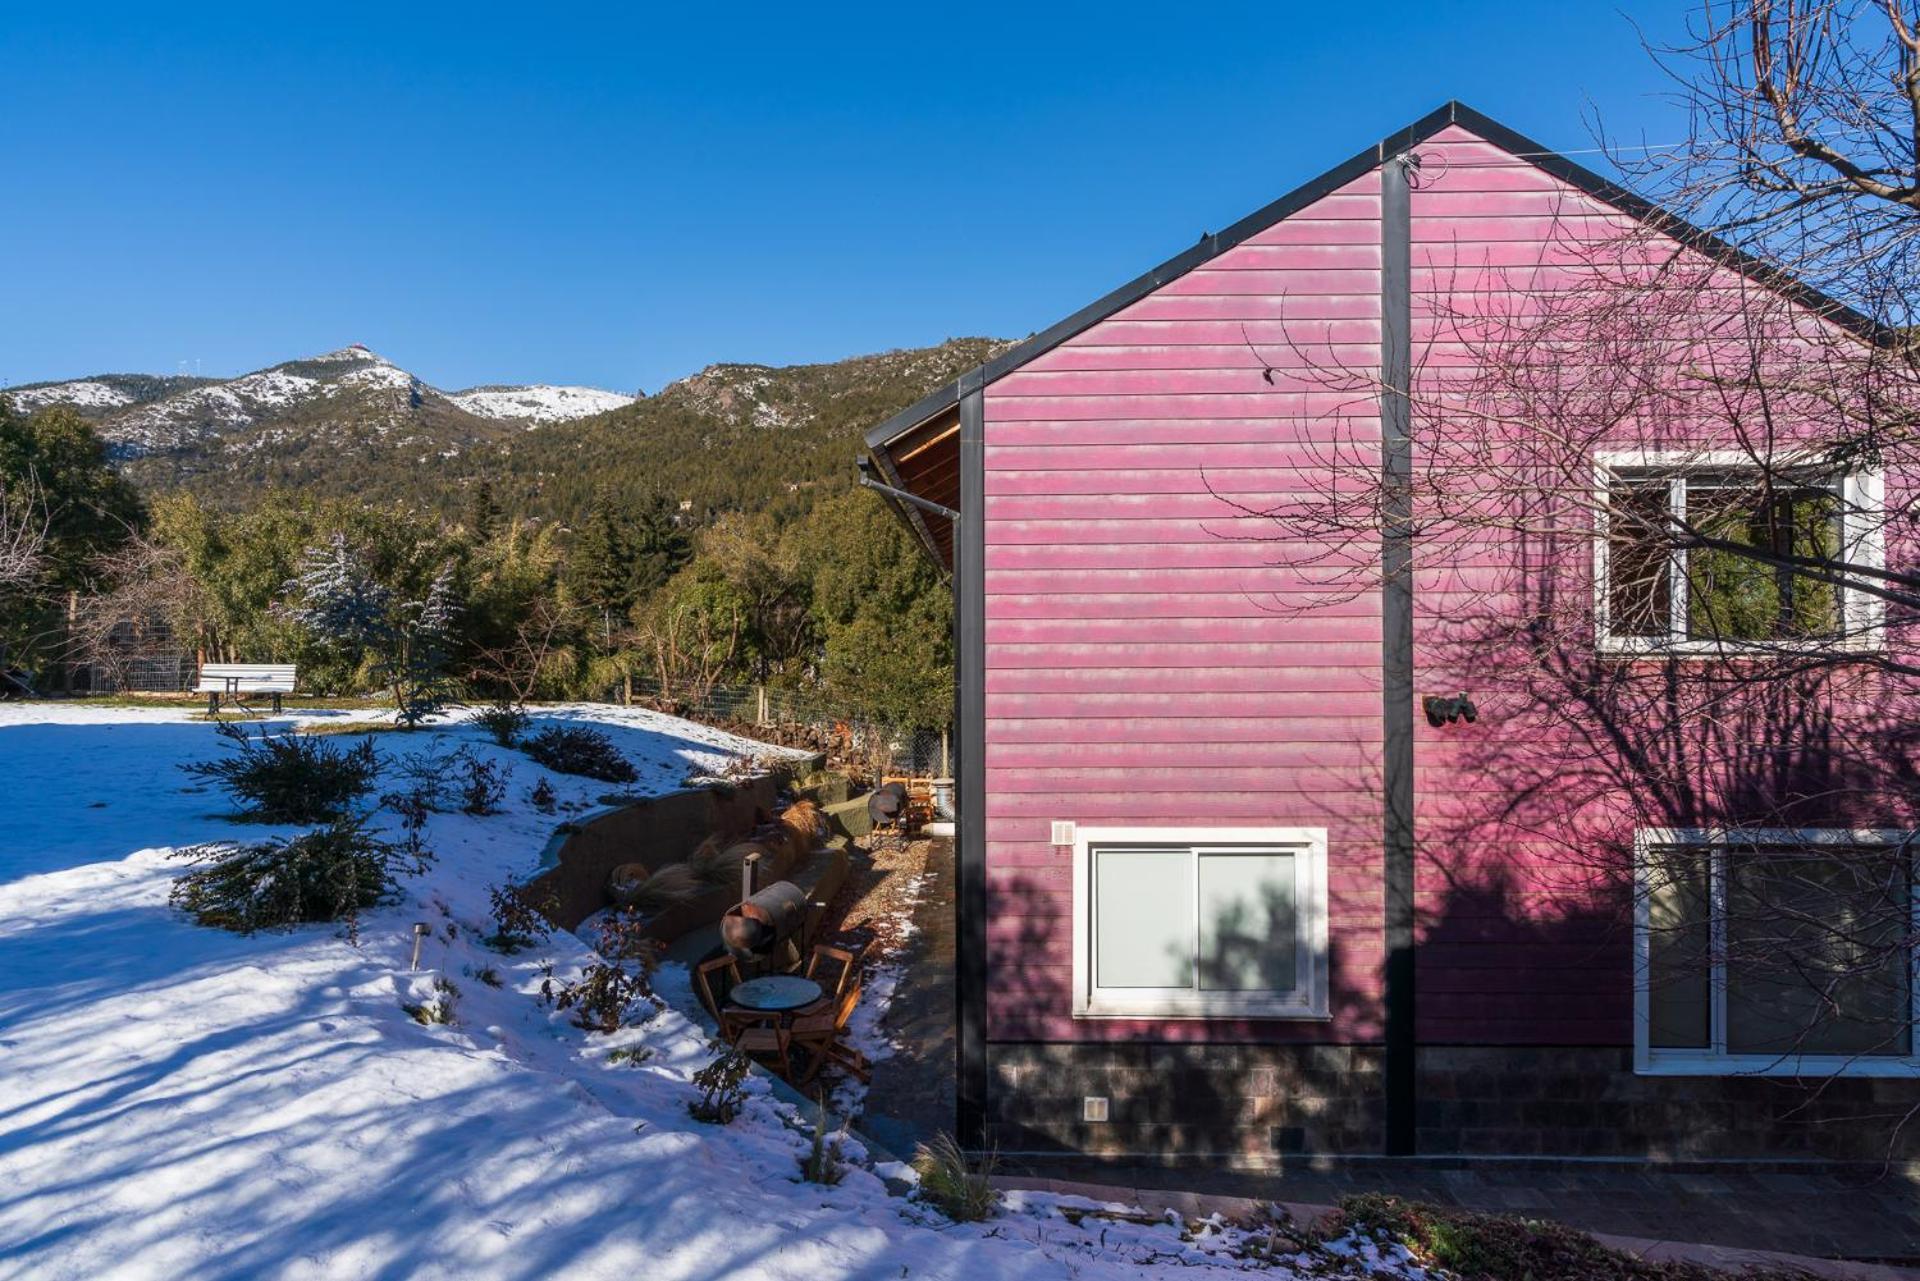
x=1093, y=1108
x=1062, y=832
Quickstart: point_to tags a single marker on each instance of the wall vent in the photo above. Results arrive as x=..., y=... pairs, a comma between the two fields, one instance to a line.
x=1093, y=1108
x=1062, y=832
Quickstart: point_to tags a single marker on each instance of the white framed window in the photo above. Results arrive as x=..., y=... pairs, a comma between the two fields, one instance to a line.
x=1775, y=952
x=1200, y=922
x=1653, y=597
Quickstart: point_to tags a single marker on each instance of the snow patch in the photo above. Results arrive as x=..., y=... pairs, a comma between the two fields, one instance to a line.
x=538, y=403
x=84, y=393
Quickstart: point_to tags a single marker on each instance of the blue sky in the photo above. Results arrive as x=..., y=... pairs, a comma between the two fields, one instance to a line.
x=618, y=196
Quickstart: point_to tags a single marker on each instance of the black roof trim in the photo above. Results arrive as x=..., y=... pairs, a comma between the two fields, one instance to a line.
x=1211, y=246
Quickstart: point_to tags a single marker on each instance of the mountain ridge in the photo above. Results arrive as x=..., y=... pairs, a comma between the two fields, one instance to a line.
x=733, y=436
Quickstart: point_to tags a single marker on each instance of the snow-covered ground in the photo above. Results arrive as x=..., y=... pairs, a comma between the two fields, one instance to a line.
x=177, y=1101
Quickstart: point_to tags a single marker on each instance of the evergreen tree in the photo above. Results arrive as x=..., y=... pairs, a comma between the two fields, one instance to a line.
x=335, y=597
x=483, y=512
x=418, y=670
x=599, y=568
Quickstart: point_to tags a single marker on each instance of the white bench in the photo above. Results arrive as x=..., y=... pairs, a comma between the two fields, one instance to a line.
x=234, y=681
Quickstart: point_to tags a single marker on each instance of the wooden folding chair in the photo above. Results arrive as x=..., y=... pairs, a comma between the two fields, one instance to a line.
x=822, y=1034
x=839, y=956
x=713, y=1000
x=761, y=1035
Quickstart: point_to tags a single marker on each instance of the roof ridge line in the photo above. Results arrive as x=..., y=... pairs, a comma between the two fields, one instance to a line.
x=1451, y=112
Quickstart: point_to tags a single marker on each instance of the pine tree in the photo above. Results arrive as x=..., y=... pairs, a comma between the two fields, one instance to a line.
x=418, y=667
x=599, y=566
x=335, y=597
x=483, y=512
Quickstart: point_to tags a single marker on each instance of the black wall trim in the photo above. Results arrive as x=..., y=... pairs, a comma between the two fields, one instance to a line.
x=1396, y=642
x=970, y=716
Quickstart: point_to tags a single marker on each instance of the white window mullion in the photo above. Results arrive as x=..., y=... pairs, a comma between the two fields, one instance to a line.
x=1677, y=620
x=1717, y=947
x=1193, y=937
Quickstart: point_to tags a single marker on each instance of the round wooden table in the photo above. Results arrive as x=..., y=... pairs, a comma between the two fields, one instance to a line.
x=775, y=993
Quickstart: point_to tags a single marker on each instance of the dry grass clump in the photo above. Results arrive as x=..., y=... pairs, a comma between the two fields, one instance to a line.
x=716, y=862
x=960, y=1187
x=671, y=886
x=624, y=881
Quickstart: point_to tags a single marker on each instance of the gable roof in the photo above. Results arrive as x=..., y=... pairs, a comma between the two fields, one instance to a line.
x=1211, y=246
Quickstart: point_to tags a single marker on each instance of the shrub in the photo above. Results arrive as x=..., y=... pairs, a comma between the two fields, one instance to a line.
x=620, y=974
x=328, y=874
x=519, y=921
x=290, y=778
x=482, y=784
x=438, y=1009
x=542, y=797
x=439, y=781
x=959, y=1187
x=582, y=750
x=722, y=1084
x=1491, y=1247
x=504, y=721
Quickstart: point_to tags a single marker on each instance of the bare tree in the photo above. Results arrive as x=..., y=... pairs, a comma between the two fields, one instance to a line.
x=149, y=606
x=522, y=664
x=1664, y=508
x=23, y=537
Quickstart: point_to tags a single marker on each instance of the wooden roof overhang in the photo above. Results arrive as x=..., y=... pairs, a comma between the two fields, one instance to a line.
x=924, y=459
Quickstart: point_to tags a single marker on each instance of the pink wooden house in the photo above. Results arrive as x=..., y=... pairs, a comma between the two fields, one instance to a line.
x=1240, y=873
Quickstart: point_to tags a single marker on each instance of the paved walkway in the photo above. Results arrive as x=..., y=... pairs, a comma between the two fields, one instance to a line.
x=1820, y=1214
x=912, y=1092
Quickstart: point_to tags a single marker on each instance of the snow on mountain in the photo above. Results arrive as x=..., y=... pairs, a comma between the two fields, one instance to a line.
x=84, y=393
x=348, y=394
x=538, y=403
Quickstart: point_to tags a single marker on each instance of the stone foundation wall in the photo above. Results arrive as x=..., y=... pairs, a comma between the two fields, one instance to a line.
x=1198, y=1102
x=1258, y=1104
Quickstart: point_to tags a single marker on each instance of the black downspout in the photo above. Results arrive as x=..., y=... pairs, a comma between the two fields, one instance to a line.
x=970, y=777
x=1396, y=648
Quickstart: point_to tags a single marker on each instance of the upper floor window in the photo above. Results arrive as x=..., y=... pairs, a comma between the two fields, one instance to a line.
x=1708, y=554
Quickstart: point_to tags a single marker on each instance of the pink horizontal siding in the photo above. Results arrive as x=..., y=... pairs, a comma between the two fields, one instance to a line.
x=1151, y=662
x=1138, y=671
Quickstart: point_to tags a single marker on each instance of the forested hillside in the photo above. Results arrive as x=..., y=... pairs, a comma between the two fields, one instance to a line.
x=709, y=534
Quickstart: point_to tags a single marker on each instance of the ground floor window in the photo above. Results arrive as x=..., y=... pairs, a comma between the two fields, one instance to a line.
x=1776, y=952
x=1200, y=922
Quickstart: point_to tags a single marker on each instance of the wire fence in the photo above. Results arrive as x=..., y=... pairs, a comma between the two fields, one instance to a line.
x=788, y=717
x=797, y=719
x=147, y=674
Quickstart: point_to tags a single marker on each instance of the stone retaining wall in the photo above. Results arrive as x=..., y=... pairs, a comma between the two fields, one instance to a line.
x=1258, y=1104
x=655, y=831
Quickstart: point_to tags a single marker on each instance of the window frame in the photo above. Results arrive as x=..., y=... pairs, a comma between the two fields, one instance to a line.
x=1715, y=1060
x=1308, y=1001
x=1861, y=494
